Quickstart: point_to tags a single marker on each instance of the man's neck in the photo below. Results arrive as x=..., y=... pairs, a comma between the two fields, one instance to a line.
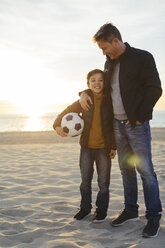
x=122, y=48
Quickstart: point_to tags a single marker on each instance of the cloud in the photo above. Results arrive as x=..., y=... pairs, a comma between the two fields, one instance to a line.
x=59, y=32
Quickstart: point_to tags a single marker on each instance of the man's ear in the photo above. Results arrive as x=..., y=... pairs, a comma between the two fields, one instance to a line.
x=115, y=41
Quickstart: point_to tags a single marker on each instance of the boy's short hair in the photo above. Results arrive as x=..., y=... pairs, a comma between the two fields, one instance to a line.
x=91, y=73
x=107, y=32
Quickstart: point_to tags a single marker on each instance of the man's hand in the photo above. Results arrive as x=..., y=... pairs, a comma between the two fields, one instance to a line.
x=112, y=154
x=59, y=131
x=85, y=100
x=137, y=123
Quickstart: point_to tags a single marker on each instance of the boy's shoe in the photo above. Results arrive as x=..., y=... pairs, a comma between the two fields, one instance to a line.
x=82, y=214
x=100, y=217
x=152, y=228
x=124, y=217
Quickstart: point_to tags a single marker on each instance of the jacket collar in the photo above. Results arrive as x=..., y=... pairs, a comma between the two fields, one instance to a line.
x=125, y=54
x=122, y=56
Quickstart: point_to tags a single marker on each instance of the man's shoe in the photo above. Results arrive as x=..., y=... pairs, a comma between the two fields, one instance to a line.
x=152, y=228
x=124, y=217
x=82, y=214
x=100, y=217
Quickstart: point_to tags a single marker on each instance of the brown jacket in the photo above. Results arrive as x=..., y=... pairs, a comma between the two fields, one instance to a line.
x=106, y=119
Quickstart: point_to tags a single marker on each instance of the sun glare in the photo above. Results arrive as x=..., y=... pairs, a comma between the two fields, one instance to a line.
x=30, y=88
x=34, y=123
x=34, y=115
x=29, y=82
x=26, y=79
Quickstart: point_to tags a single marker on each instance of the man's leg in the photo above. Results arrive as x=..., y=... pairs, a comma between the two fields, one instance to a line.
x=140, y=140
x=127, y=167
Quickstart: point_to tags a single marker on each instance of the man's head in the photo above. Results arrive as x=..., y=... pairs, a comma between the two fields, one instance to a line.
x=95, y=81
x=109, y=39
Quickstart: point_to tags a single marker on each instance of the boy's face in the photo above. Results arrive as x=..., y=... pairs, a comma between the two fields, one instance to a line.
x=96, y=83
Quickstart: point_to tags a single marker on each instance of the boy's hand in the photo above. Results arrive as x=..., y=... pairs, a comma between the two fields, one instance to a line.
x=85, y=100
x=112, y=154
x=59, y=131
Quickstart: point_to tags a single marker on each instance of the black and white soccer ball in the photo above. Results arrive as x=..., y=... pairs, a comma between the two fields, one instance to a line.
x=72, y=124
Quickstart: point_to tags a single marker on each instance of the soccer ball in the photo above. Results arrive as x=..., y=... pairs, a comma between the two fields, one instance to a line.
x=72, y=124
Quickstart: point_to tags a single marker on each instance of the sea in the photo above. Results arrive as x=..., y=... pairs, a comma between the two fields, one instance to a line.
x=16, y=123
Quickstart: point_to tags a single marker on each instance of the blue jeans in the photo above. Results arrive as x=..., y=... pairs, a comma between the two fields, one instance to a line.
x=103, y=165
x=134, y=151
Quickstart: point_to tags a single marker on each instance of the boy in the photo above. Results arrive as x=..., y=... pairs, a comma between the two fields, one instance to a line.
x=97, y=145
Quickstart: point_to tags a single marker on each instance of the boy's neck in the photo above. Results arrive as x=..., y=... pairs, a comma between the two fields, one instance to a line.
x=97, y=94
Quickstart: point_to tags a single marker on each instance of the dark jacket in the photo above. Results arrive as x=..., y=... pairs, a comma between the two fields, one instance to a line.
x=106, y=120
x=140, y=86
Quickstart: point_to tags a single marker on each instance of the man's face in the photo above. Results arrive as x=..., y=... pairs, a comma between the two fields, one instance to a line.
x=109, y=49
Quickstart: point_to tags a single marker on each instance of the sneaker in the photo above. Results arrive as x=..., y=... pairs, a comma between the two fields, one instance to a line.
x=100, y=217
x=152, y=228
x=82, y=214
x=124, y=217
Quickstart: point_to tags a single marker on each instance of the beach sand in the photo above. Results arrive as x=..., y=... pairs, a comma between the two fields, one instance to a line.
x=39, y=195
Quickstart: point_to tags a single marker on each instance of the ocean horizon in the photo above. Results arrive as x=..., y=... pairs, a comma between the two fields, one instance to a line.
x=18, y=122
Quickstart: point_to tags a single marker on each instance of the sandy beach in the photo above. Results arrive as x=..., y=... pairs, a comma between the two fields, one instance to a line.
x=39, y=195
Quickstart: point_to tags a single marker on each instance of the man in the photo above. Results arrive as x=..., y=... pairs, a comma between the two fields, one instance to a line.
x=133, y=87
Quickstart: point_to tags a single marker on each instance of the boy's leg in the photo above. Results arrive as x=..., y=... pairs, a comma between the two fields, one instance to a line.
x=103, y=165
x=86, y=169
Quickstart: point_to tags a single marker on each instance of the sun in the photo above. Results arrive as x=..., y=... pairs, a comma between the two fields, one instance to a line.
x=31, y=84
x=26, y=79
x=33, y=123
x=31, y=88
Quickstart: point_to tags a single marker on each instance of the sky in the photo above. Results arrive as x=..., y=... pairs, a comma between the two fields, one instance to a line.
x=46, y=47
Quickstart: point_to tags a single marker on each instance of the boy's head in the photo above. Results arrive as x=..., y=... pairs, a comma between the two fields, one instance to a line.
x=95, y=81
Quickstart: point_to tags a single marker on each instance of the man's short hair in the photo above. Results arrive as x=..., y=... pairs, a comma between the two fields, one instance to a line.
x=107, y=32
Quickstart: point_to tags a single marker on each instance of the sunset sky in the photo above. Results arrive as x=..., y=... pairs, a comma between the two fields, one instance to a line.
x=46, y=47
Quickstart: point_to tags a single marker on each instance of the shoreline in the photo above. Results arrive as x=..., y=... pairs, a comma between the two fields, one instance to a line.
x=50, y=137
